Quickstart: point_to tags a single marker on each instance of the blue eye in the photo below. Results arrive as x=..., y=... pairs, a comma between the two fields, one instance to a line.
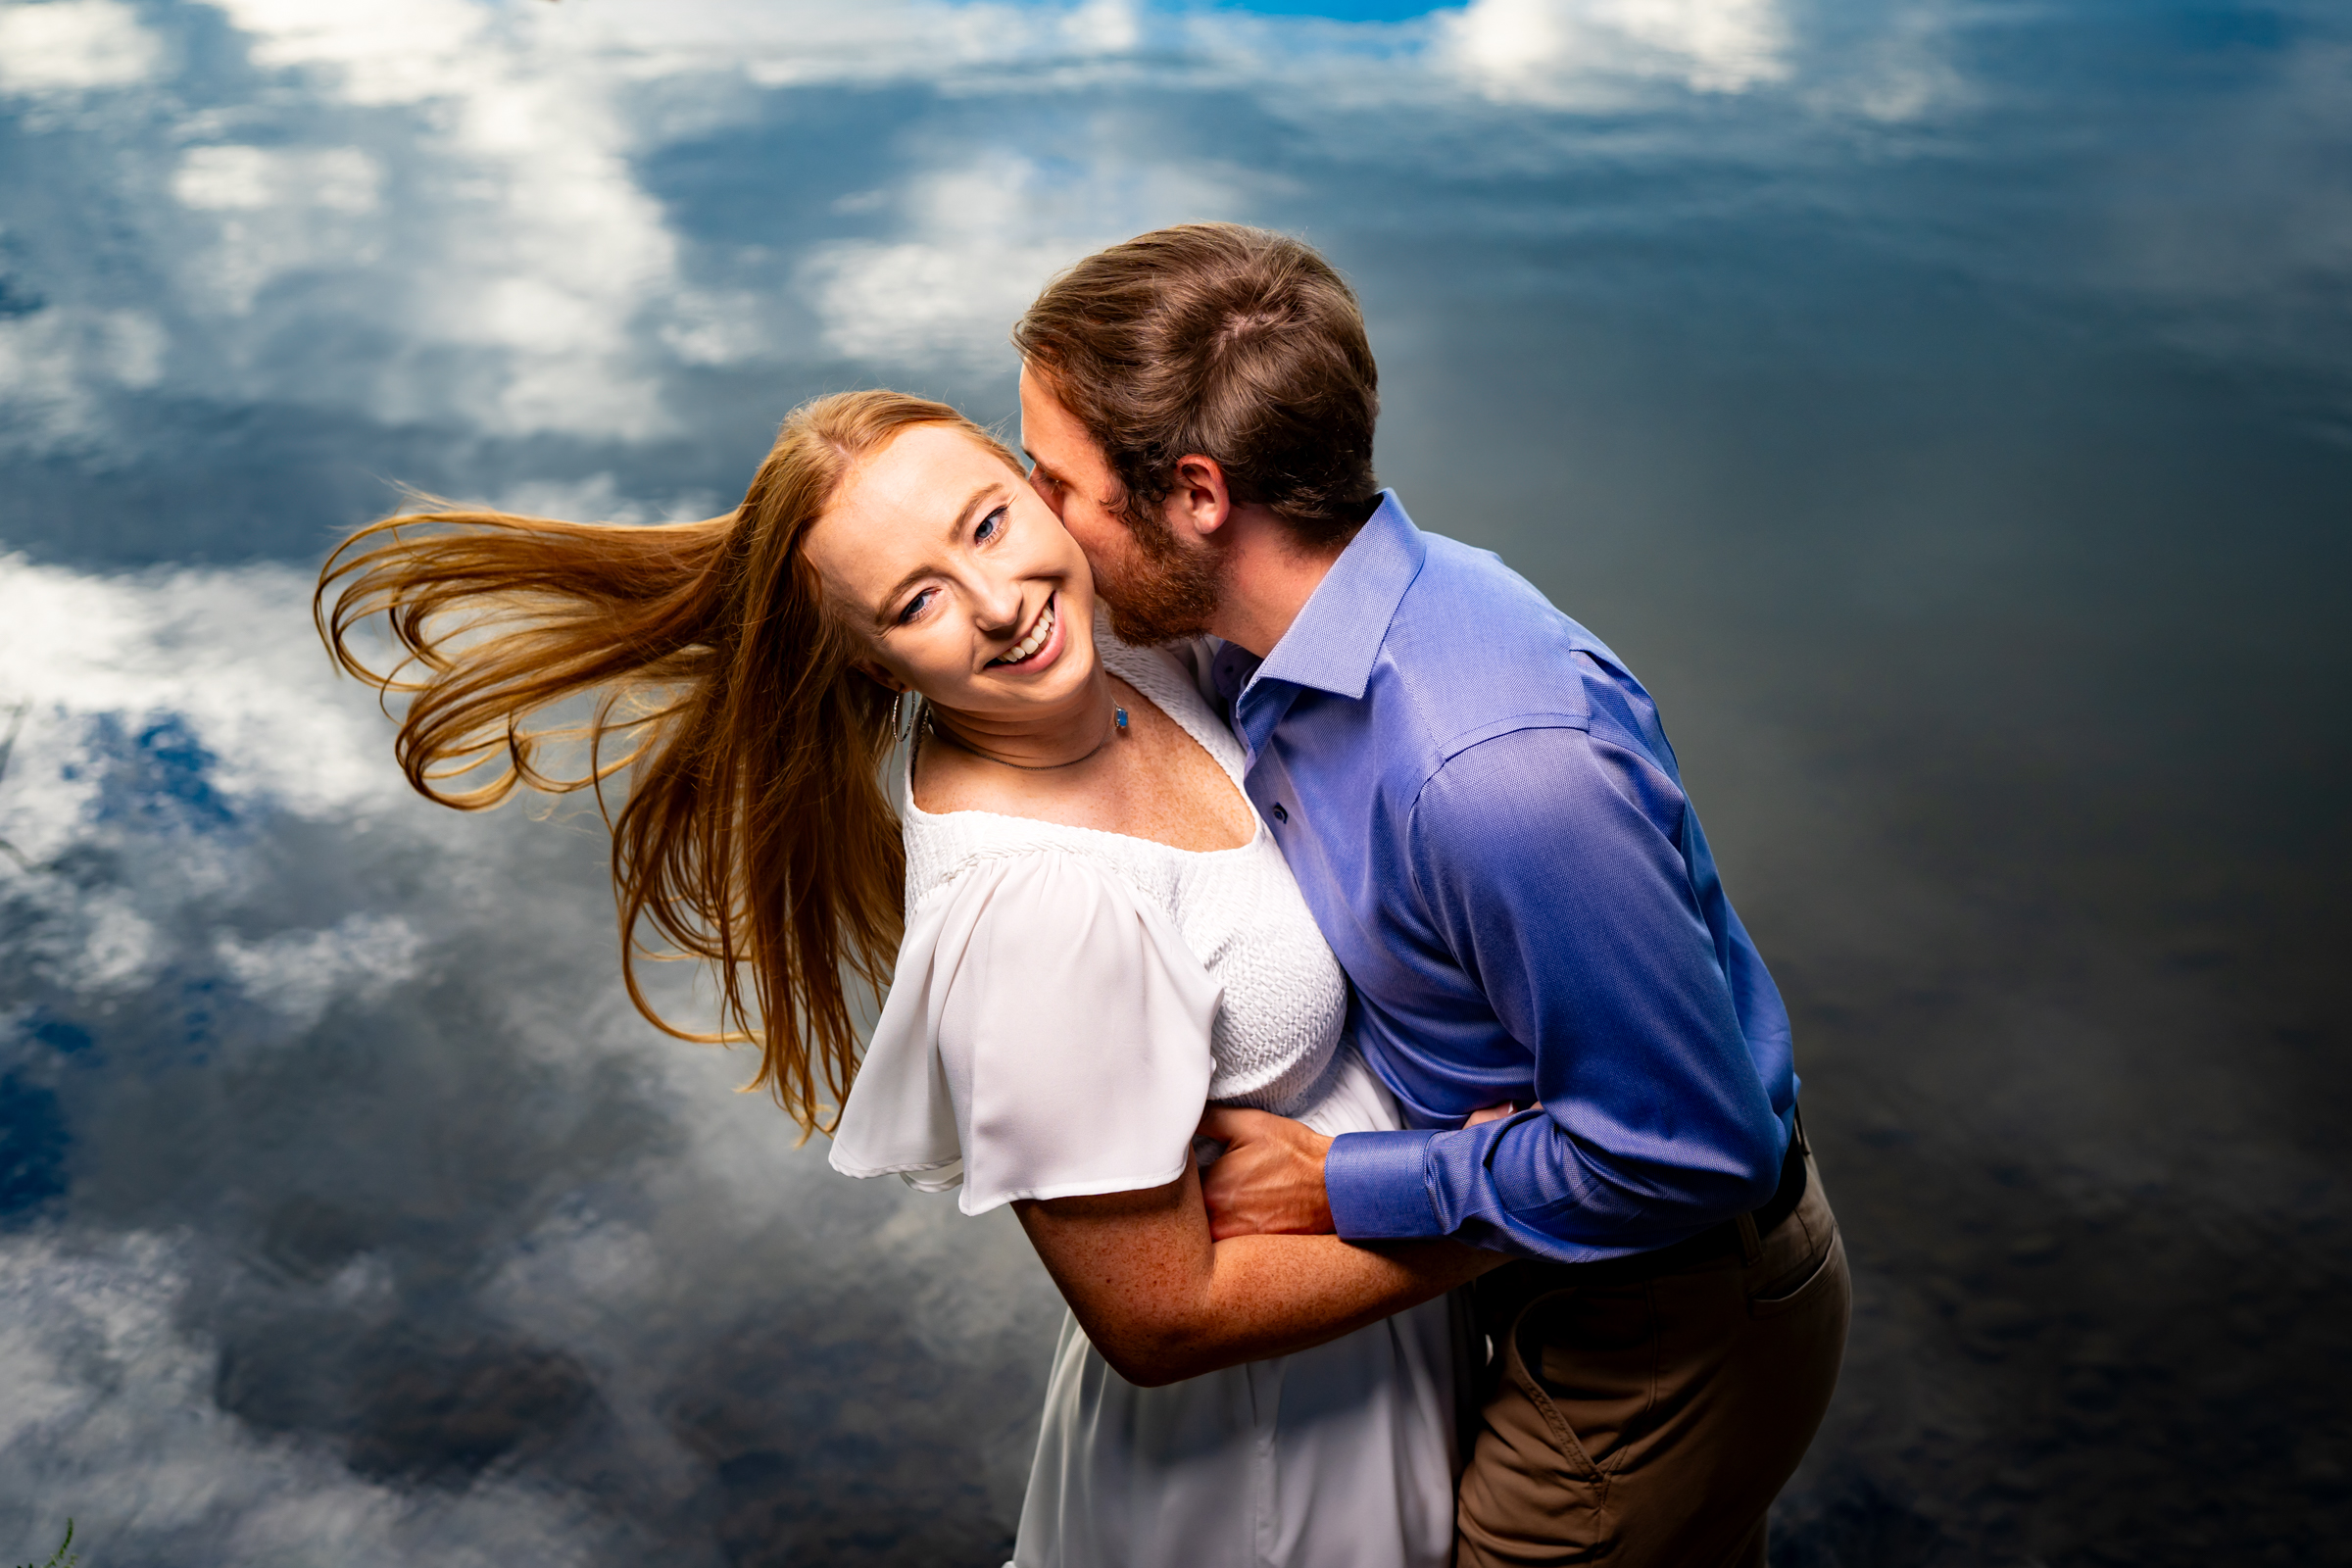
x=990, y=526
x=914, y=605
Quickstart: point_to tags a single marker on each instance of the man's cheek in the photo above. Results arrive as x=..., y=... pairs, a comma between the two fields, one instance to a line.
x=1050, y=495
x=1103, y=540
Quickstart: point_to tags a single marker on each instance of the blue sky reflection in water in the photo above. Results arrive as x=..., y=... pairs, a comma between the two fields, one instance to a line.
x=1947, y=407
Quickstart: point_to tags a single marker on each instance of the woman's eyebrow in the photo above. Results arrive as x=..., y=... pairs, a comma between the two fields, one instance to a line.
x=956, y=531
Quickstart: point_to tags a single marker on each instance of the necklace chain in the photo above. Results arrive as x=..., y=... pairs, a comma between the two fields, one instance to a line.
x=1118, y=728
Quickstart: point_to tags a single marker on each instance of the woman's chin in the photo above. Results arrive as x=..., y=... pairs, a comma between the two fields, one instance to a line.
x=1073, y=671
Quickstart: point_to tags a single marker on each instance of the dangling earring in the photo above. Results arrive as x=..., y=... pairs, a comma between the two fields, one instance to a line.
x=906, y=707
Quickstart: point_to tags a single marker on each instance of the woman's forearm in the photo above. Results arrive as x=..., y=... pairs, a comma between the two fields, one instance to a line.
x=1161, y=1303
x=1275, y=1295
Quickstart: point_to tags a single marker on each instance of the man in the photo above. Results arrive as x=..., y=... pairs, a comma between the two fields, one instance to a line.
x=1483, y=812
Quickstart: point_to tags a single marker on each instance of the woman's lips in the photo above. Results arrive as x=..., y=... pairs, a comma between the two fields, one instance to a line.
x=1043, y=637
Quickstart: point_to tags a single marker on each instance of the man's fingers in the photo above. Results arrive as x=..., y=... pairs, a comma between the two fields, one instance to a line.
x=1226, y=1124
x=1218, y=1185
x=1225, y=1220
x=1223, y=1224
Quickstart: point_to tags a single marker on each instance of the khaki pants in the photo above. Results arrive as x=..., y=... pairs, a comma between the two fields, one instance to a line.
x=1653, y=1421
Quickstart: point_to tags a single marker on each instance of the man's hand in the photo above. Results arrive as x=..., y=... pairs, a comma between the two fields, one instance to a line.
x=1270, y=1180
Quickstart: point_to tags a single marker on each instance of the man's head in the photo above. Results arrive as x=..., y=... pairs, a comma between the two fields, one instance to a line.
x=1204, y=355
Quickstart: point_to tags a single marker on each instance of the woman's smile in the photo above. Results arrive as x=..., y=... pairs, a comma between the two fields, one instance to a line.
x=1041, y=647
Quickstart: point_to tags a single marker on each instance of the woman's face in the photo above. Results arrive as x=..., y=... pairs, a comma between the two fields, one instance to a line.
x=961, y=580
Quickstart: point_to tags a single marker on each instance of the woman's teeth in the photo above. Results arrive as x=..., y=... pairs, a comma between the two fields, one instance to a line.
x=1028, y=646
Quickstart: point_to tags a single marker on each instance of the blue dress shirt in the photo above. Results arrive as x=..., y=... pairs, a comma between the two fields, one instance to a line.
x=1486, y=820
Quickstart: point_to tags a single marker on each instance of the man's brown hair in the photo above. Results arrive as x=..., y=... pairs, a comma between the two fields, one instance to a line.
x=1240, y=344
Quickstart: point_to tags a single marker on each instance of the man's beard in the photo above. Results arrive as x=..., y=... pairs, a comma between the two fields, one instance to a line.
x=1164, y=592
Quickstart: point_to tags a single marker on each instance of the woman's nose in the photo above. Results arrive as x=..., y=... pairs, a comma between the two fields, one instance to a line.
x=999, y=607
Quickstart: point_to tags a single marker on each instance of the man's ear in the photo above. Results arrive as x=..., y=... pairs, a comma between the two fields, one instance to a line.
x=1200, y=501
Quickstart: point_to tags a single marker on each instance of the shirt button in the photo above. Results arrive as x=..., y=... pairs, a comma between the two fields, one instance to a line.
x=1279, y=815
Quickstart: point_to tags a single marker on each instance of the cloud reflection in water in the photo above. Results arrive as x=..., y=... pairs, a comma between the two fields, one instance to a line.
x=1832, y=361
x=350, y=1207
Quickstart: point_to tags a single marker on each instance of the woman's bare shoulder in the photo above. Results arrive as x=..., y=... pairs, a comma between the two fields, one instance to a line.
x=948, y=779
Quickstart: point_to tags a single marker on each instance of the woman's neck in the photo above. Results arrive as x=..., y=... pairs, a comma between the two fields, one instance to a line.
x=1056, y=735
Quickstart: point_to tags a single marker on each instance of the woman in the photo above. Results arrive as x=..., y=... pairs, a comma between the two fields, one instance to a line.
x=1099, y=937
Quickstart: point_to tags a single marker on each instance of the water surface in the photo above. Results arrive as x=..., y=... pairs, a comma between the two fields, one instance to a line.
x=1945, y=408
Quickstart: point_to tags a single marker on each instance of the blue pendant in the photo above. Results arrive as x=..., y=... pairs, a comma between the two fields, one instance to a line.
x=1122, y=720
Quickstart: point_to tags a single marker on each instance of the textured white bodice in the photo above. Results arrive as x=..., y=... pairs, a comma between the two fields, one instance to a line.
x=1239, y=910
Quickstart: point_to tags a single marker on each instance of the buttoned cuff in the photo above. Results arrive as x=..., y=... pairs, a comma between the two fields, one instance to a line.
x=1377, y=1186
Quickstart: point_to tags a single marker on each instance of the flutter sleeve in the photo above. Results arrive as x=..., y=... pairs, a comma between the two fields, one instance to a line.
x=1047, y=1034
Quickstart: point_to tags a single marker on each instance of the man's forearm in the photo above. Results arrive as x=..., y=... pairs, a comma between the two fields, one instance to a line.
x=1499, y=1185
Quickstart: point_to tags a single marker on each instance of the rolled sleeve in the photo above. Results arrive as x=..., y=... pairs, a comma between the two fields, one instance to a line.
x=1379, y=1185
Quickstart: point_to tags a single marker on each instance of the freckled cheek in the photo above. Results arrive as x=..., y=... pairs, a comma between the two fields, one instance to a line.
x=1054, y=553
x=1072, y=562
x=944, y=679
x=936, y=660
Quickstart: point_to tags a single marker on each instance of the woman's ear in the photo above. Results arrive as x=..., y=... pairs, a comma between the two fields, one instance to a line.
x=879, y=676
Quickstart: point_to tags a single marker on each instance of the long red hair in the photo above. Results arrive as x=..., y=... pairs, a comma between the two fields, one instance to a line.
x=756, y=835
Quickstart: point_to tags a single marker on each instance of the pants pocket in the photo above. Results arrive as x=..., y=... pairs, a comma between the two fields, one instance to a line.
x=1814, y=1285
x=1524, y=1369
x=1595, y=1351
x=1531, y=1494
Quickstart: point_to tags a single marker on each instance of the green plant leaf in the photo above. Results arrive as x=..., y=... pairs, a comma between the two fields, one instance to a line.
x=60, y=1558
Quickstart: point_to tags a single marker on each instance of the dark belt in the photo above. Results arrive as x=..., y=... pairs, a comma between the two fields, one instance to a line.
x=1502, y=1291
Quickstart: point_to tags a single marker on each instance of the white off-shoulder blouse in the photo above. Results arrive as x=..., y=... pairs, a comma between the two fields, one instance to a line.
x=1066, y=1002
x=1066, y=999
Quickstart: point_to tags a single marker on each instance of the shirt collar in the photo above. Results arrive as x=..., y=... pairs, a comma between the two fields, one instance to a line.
x=1332, y=643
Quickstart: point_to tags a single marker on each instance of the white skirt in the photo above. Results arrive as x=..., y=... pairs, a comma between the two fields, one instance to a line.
x=1341, y=1457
